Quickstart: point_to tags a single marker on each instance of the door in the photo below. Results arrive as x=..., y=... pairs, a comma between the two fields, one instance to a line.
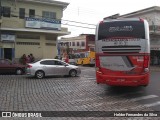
x=61, y=68
x=8, y=53
x=49, y=67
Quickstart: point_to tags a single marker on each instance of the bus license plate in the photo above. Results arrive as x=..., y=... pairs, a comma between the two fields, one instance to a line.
x=120, y=43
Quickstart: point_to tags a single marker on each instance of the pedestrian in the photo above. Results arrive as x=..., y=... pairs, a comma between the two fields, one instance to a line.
x=67, y=59
x=28, y=59
x=23, y=59
x=32, y=58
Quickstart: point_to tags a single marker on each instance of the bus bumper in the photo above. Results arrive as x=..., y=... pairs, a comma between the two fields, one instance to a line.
x=139, y=80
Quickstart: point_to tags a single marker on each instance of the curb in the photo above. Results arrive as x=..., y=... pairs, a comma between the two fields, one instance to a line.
x=155, y=68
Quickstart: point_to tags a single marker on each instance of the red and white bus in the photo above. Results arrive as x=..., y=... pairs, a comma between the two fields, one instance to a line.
x=123, y=52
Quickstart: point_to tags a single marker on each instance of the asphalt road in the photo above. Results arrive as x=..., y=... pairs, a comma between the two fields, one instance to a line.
x=23, y=93
x=148, y=96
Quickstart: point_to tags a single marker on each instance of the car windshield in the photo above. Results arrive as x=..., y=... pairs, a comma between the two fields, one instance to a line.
x=35, y=61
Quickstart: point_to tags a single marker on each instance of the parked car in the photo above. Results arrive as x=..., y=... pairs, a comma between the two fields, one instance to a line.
x=49, y=67
x=8, y=66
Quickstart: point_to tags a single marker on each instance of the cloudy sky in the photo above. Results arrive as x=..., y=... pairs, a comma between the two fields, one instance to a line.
x=81, y=16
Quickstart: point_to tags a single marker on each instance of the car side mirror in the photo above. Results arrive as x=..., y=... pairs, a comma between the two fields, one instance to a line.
x=65, y=65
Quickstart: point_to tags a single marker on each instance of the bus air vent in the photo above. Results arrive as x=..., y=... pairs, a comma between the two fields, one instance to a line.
x=121, y=48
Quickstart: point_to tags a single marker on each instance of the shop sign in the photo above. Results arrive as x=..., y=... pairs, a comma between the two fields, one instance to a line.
x=7, y=37
x=43, y=23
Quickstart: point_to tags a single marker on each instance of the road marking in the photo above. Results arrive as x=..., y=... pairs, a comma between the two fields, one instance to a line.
x=152, y=104
x=144, y=97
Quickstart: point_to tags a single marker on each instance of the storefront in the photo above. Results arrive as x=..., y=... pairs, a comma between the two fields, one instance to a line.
x=155, y=48
x=7, y=48
x=155, y=55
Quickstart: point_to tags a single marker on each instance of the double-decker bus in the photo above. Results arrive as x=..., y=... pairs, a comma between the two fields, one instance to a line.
x=123, y=52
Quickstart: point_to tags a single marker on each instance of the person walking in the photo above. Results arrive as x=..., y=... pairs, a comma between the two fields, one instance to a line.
x=24, y=59
x=67, y=59
x=28, y=59
x=32, y=58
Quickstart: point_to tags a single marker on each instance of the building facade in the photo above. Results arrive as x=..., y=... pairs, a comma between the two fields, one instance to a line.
x=83, y=42
x=30, y=26
x=152, y=15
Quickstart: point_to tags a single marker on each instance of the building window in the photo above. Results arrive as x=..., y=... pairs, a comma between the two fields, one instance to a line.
x=6, y=11
x=31, y=13
x=91, y=49
x=70, y=44
x=50, y=37
x=28, y=36
x=77, y=43
x=73, y=43
x=50, y=44
x=21, y=13
x=50, y=15
x=83, y=43
x=67, y=43
x=28, y=43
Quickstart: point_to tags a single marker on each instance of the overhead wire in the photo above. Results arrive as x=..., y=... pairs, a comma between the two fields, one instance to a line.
x=83, y=25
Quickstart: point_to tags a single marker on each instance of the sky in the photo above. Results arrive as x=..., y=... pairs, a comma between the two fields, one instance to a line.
x=81, y=16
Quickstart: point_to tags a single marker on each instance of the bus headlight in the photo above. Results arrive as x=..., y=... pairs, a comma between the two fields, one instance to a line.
x=97, y=68
x=146, y=70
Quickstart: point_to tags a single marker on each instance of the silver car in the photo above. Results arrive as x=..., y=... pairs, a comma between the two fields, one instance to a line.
x=49, y=67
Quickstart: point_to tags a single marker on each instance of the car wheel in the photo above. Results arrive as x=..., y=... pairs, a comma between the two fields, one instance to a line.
x=39, y=74
x=19, y=71
x=73, y=73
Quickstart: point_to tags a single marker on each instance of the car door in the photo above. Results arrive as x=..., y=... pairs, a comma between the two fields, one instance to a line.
x=6, y=66
x=49, y=67
x=2, y=66
x=61, y=68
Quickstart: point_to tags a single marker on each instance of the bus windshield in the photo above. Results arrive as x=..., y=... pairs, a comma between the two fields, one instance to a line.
x=131, y=29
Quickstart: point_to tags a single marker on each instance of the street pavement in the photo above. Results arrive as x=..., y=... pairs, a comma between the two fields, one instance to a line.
x=23, y=93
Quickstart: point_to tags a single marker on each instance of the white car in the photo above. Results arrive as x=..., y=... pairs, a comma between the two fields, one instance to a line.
x=49, y=67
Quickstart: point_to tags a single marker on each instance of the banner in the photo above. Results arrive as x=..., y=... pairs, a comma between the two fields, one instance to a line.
x=43, y=23
x=80, y=114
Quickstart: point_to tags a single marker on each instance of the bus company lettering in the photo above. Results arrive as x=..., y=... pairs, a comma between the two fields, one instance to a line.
x=123, y=28
x=25, y=114
x=120, y=39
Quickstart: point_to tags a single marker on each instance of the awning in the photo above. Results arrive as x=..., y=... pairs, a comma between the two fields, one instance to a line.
x=59, y=33
x=155, y=47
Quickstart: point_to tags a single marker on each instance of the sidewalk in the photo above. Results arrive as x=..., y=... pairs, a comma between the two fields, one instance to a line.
x=155, y=68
